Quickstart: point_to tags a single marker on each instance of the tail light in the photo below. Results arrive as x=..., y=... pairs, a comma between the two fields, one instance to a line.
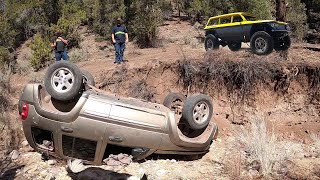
x=25, y=111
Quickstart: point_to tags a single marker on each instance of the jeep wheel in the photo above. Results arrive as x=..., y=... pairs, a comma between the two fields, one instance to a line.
x=175, y=101
x=261, y=43
x=88, y=78
x=282, y=44
x=63, y=80
x=197, y=111
x=211, y=42
x=234, y=46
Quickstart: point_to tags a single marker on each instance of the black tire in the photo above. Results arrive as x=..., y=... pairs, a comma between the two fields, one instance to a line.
x=234, y=46
x=193, y=105
x=211, y=42
x=63, y=81
x=88, y=78
x=175, y=101
x=261, y=43
x=282, y=44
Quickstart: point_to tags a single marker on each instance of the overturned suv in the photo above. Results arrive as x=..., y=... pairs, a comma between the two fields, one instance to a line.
x=68, y=117
x=233, y=29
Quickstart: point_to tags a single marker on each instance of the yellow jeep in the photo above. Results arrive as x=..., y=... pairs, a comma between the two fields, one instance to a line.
x=234, y=28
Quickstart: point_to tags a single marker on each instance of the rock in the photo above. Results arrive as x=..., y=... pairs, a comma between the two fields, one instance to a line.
x=14, y=154
x=161, y=172
x=52, y=162
x=24, y=143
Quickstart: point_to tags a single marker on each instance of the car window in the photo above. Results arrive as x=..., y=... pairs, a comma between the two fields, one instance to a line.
x=250, y=18
x=237, y=19
x=213, y=22
x=225, y=20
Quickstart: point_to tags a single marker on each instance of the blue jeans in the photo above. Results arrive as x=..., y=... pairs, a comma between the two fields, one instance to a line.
x=119, y=46
x=62, y=54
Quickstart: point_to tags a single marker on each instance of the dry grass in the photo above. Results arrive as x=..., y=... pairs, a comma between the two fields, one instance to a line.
x=265, y=153
x=241, y=76
x=141, y=90
x=316, y=143
x=261, y=145
x=78, y=55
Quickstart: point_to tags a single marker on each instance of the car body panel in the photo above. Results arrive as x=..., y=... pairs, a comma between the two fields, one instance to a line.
x=107, y=120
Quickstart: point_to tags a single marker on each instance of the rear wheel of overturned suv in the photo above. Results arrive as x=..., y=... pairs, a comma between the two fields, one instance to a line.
x=282, y=44
x=88, y=78
x=211, y=42
x=197, y=111
x=175, y=101
x=234, y=46
x=63, y=81
x=261, y=43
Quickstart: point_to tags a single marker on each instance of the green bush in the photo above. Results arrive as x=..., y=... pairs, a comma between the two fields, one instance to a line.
x=105, y=13
x=5, y=59
x=145, y=24
x=297, y=19
x=40, y=52
x=72, y=16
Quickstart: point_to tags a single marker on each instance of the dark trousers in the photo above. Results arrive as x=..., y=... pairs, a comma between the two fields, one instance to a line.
x=119, y=47
x=61, y=54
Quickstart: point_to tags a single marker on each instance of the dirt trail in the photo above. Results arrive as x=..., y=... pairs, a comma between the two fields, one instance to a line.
x=180, y=41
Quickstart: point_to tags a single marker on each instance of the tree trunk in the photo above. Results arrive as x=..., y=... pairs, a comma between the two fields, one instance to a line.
x=281, y=11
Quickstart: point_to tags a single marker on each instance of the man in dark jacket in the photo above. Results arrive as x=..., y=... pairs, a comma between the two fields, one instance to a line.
x=119, y=39
x=59, y=44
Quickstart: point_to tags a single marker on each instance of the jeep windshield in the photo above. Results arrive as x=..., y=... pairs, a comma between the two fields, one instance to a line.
x=250, y=18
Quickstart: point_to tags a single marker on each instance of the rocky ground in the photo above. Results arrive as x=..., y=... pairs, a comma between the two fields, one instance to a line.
x=294, y=150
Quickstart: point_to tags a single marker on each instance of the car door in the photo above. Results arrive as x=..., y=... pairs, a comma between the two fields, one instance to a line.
x=237, y=34
x=84, y=137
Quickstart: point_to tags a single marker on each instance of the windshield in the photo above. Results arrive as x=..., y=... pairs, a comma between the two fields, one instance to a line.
x=250, y=18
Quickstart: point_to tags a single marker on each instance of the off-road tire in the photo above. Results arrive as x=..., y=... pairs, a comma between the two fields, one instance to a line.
x=197, y=104
x=211, y=42
x=282, y=45
x=88, y=78
x=261, y=43
x=174, y=101
x=234, y=46
x=63, y=72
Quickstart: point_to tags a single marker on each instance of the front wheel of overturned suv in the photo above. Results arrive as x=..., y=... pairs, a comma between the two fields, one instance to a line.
x=88, y=78
x=261, y=43
x=211, y=42
x=197, y=111
x=63, y=81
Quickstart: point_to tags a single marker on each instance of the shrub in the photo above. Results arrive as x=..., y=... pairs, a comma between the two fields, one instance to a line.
x=72, y=16
x=140, y=89
x=261, y=145
x=5, y=58
x=41, y=50
x=297, y=19
x=145, y=24
x=105, y=12
x=78, y=55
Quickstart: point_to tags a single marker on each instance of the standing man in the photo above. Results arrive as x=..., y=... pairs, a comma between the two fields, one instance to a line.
x=119, y=39
x=59, y=44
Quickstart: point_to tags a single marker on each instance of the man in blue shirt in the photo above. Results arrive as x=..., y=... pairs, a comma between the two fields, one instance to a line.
x=119, y=39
